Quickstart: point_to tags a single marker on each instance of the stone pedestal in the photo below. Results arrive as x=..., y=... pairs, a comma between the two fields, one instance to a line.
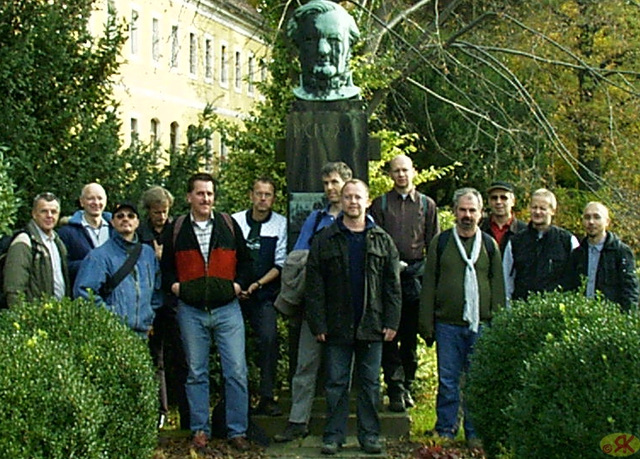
x=319, y=132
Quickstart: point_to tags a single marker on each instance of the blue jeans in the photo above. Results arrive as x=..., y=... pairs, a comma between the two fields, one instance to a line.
x=263, y=319
x=367, y=369
x=227, y=326
x=454, y=347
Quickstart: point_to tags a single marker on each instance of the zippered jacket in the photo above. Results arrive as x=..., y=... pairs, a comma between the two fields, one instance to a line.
x=28, y=267
x=137, y=297
x=207, y=285
x=329, y=309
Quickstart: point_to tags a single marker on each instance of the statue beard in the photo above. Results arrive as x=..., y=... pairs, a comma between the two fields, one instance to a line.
x=325, y=71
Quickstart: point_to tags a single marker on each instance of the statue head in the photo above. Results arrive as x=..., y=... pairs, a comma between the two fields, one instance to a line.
x=324, y=32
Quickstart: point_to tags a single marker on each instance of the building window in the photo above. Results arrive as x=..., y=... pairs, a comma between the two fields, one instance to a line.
x=223, y=151
x=208, y=59
x=193, y=54
x=134, y=32
x=155, y=40
x=174, y=137
x=154, y=131
x=223, y=65
x=174, y=46
x=134, y=130
x=238, y=74
x=250, y=70
x=263, y=70
x=208, y=153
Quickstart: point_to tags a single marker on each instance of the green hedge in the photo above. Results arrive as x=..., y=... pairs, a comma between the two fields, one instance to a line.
x=74, y=382
x=502, y=353
x=579, y=390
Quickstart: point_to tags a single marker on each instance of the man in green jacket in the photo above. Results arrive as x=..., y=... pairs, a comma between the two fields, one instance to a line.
x=36, y=263
x=463, y=285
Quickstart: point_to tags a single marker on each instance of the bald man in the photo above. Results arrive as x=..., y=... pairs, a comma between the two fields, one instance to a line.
x=606, y=262
x=411, y=219
x=87, y=228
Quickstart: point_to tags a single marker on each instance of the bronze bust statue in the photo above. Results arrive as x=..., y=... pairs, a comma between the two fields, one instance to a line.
x=324, y=33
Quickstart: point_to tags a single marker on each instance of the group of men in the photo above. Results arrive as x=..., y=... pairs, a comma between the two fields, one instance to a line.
x=369, y=289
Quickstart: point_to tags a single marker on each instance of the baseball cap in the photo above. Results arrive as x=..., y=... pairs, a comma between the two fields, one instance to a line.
x=499, y=185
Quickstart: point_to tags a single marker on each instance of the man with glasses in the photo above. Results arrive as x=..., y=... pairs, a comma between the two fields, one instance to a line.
x=501, y=223
x=36, y=263
x=137, y=295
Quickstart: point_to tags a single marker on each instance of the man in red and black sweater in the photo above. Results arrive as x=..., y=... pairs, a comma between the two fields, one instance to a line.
x=206, y=265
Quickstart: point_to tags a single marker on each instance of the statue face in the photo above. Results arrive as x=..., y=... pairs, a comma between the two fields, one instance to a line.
x=324, y=51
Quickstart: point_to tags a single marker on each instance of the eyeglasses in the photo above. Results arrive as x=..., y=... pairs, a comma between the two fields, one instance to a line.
x=121, y=215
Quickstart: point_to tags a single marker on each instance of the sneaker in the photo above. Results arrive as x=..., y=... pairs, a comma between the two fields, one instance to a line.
x=240, y=443
x=396, y=404
x=330, y=448
x=372, y=446
x=268, y=407
x=293, y=431
x=199, y=440
x=408, y=399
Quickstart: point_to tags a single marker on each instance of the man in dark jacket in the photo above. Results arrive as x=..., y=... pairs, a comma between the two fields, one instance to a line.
x=353, y=305
x=605, y=261
x=36, y=263
x=87, y=228
x=538, y=258
x=206, y=264
x=411, y=219
x=165, y=342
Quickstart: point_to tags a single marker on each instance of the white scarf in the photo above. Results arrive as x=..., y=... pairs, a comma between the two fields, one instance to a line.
x=471, y=294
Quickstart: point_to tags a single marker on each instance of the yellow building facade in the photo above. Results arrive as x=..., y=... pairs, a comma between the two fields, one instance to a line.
x=179, y=56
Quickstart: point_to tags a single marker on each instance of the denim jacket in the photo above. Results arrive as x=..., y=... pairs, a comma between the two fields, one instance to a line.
x=137, y=297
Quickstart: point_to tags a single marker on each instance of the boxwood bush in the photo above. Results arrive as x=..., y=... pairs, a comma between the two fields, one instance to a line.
x=578, y=390
x=74, y=382
x=501, y=353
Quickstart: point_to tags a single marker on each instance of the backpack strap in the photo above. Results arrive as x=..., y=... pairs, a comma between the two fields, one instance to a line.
x=177, y=225
x=122, y=272
x=227, y=219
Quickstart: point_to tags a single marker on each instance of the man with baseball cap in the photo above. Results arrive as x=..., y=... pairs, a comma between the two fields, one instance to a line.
x=501, y=223
x=123, y=275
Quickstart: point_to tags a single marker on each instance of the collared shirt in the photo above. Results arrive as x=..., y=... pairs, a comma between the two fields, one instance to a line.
x=98, y=235
x=56, y=262
x=594, y=258
x=499, y=231
x=203, y=232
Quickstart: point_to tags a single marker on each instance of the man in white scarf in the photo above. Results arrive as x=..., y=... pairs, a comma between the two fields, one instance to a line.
x=463, y=285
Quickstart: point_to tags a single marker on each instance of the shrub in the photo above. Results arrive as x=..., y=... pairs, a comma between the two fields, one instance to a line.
x=515, y=336
x=82, y=386
x=578, y=390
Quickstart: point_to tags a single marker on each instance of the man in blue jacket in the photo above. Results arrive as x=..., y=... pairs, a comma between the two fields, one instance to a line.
x=88, y=228
x=138, y=295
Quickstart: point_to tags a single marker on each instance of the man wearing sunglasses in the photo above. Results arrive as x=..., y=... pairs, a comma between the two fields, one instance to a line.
x=501, y=223
x=133, y=293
